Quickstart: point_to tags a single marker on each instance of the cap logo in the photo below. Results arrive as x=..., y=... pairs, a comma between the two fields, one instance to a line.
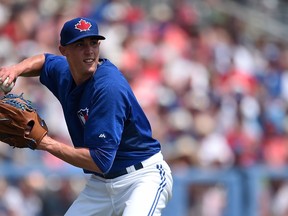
x=83, y=25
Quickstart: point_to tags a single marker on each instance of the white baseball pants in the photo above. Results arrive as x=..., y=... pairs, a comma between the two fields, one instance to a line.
x=144, y=192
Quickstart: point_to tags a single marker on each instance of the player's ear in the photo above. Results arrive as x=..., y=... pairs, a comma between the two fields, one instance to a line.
x=62, y=50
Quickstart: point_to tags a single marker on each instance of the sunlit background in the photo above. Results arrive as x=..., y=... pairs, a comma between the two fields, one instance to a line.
x=212, y=77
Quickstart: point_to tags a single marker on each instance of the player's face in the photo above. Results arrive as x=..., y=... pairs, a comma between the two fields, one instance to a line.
x=83, y=57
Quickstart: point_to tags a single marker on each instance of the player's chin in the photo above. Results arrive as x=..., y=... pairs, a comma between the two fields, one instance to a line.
x=90, y=68
x=90, y=72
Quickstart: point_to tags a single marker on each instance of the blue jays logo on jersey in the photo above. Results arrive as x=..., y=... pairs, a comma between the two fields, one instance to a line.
x=83, y=115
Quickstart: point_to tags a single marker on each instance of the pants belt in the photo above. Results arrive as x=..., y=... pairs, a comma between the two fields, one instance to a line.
x=123, y=172
x=157, y=157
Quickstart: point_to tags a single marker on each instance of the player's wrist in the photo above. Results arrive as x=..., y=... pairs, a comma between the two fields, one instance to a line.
x=45, y=143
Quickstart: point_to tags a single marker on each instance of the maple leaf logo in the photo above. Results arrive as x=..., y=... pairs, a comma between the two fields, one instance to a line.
x=83, y=25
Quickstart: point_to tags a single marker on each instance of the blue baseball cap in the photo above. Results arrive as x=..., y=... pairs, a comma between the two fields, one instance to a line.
x=77, y=29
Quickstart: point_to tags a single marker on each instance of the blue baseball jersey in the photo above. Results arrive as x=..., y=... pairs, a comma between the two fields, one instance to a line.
x=102, y=114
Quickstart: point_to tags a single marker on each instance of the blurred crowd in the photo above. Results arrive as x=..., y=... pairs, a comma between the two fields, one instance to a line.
x=216, y=97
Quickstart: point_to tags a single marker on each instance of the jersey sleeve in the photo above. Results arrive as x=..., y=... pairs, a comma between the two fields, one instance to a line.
x=52, y=74
x=105, y=124
x=103, y=157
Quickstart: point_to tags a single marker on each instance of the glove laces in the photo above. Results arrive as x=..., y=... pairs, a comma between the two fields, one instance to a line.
x=22, y=104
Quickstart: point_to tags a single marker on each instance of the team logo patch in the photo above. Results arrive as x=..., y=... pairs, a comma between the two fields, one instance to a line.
x=83, y=115
x=83, y=25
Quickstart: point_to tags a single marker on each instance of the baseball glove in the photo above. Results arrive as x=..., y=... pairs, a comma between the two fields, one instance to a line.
x=20, y=124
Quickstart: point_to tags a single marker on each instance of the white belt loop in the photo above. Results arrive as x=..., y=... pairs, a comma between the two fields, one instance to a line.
x=130, y=169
